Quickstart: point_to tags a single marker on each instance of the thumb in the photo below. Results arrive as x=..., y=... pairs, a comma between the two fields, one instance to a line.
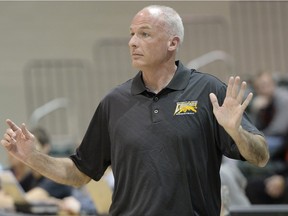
x=26, y=132
x=214, y=100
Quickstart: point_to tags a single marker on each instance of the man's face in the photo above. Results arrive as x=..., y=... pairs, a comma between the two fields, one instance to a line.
x=149, y=41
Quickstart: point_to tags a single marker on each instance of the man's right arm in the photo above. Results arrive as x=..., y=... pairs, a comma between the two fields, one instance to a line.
x=21, y=144
x=61, y=170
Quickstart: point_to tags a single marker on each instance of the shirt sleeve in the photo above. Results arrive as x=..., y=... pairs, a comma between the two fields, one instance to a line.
x=92, y=157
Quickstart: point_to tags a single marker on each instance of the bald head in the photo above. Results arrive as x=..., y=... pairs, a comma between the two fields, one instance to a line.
x=172, y=22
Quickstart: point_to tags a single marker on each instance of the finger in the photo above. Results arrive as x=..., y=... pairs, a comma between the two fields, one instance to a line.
x=241, y=92
x=7, y=145
x=12, y=125
x=5, y=142
x=10, y=132
x=229, y=87
x=235, y=87
x=26, y=132
x=214, y=101
x=7, y=137
x=247, y=101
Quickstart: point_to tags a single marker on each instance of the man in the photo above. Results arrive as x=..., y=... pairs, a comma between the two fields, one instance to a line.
x=157, y=130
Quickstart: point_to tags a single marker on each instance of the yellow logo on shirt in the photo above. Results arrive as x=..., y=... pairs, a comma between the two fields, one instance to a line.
x=186, y=108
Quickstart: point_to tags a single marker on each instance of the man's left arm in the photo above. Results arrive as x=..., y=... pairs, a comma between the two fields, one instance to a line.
x=252, y=147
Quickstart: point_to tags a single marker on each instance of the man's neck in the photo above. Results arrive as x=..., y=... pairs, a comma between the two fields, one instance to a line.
x=157, y=79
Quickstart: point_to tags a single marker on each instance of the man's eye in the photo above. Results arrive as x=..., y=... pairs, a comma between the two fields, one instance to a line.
x=145, y=34
x=132, y=34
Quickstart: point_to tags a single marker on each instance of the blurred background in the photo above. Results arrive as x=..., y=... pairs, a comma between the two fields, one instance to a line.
x=58, y=59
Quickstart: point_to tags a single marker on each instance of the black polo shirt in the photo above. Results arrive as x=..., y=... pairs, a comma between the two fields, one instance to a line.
x=165, y=149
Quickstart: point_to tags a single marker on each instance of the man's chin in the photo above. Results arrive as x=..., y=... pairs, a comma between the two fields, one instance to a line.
x=137, y=65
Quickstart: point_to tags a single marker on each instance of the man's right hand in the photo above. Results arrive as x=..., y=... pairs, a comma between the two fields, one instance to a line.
x=19, y=142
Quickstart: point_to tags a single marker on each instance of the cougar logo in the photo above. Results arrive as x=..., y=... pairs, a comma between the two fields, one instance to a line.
x=186, y=108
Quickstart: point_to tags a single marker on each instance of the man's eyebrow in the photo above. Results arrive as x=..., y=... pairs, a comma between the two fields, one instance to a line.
x=142, y=27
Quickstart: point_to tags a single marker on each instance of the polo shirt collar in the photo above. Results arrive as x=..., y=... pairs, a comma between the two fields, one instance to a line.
x=178, y=82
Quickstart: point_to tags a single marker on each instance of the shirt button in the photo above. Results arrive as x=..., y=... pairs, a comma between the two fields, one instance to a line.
x=156, y=99
x=156, y=111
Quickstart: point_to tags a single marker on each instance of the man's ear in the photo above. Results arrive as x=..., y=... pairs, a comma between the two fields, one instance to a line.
x=173, y=43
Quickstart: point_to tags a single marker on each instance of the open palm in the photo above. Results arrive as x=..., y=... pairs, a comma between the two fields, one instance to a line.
x=229, y=115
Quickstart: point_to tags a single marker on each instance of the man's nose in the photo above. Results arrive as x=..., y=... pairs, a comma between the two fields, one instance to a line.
x=133, y=41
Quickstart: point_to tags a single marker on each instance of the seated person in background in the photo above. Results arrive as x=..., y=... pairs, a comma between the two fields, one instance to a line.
x=270, y=112
x=37, y=186
x=40, y=188
x=271, y=190
x=270, y=105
